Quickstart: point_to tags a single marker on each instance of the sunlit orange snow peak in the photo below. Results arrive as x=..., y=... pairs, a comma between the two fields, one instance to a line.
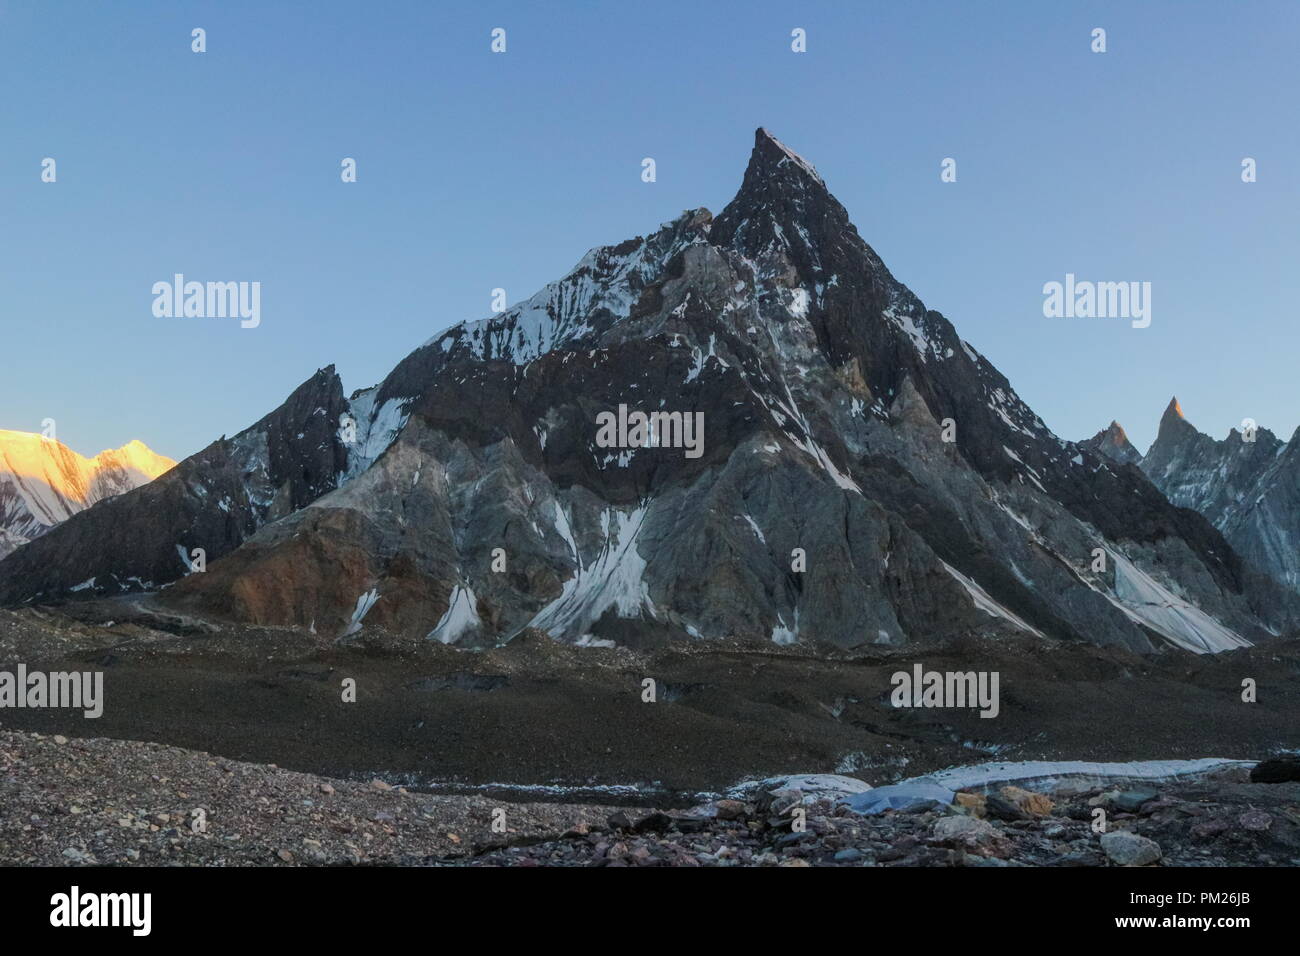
x=54, y=482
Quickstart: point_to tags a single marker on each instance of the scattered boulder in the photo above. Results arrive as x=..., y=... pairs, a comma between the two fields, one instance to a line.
x=656, y=822
x=1126, y=848
x=973, y=803
x=971, y=835
x=962, y=829
x=1256, y=820
x=783, y=800
x=1277, y=770
x=1209, y=829
x=730, y=809
x=999, y=807
x=1034, y=804
x=1130, y=801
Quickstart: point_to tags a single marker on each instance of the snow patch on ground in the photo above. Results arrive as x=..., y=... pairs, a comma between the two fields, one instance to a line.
x=460, y=617
x=783, y=635
x=799, y=303
x=364, y=604
x=376, y=429
x=985, y=603
x=614, y=578
x=1148, y=602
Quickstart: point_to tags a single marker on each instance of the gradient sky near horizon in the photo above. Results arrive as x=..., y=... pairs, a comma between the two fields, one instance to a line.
x=479, y=170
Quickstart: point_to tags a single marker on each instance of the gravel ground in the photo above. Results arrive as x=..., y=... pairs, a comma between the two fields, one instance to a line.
x=1224, y=821
x=95, y=801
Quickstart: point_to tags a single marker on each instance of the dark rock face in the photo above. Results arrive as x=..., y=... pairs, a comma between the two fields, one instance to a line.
x=212, y=500
x=865, y=475
x=1248, y=489
x=1212, y=477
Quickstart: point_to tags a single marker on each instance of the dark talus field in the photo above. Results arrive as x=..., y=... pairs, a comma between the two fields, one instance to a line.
x=539, y=712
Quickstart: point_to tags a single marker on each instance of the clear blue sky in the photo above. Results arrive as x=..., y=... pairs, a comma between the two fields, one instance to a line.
x=479, y=170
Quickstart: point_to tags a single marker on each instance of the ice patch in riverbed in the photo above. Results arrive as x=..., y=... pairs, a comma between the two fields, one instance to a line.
x=1044, y=776
x=811, y=784
x=1049, y=775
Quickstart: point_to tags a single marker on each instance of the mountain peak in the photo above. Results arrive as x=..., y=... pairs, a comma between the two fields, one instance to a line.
x=782, y=200
x=767, y=148
x=1174, y=425
x=46, y=482
x=1113, y=442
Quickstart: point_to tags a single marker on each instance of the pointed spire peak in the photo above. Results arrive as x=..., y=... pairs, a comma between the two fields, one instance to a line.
x=1173, y=422
x=1112, y=441
x=767, y=146
x=782, y=200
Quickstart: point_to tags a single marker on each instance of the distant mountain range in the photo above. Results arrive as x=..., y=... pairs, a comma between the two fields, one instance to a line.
x=43, y=482
x=866, y=476
x=1247, y=485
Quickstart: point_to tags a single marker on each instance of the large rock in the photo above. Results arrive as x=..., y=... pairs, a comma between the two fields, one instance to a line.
x=1276, y=770
x=1125, y=848
x=1034, y=804
x=963, y=829
x=999, y=807
x=1130, y=801
x=973, y=803
x=975, y=836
